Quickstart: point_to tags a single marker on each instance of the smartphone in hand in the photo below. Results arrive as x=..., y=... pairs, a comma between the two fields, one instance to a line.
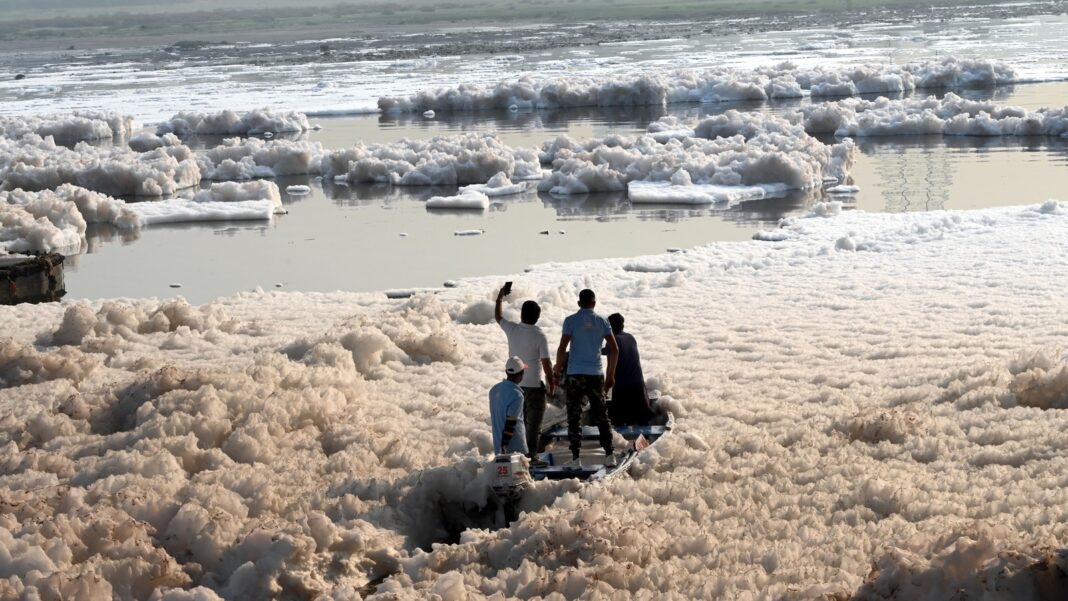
x=507, y=289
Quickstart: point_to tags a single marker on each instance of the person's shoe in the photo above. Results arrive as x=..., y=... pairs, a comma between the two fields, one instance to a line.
x=574, y=464
x=538, y=464
x=610, y=460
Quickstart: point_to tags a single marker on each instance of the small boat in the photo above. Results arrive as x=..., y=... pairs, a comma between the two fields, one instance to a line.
x=513, y=475
x=556, y=450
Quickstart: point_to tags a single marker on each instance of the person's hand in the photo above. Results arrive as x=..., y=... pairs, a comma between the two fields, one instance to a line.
x=609, y=382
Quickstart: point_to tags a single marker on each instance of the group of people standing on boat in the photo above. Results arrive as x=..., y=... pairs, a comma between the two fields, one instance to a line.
x=517, y=403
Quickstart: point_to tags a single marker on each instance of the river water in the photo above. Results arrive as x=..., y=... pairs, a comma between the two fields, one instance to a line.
x=379, y=237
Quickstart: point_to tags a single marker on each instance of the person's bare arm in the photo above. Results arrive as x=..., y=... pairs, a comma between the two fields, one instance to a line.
x=561, y=355
x=498, y=313
x=613, y=356
x=550, y=377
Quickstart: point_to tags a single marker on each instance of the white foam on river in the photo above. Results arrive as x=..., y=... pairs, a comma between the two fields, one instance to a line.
x=781, y=81
x=154, y=92
x=56, y=221
x=868, y=404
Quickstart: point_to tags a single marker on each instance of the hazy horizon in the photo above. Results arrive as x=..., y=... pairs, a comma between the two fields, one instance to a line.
x=49, y=8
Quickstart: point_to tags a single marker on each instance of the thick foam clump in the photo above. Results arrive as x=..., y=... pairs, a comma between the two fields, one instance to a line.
x=56, y=220
x=443, y=160
x=879, y=423
x=243, y=191
x=785, y=80
x=232, y=123
x=73, y=127
x=23, y=364
x=738, y=150
x=641, y=192
x=980, y=563
x=184, y=211
x=499, y=185
x=148, y=141
x=576, y=91
x=35, y=163
x=258, y=200
x=1040, y=381
x=467, y=199
x=950, y=115
x=248, y=158
x=31, y=222
x=962, y=73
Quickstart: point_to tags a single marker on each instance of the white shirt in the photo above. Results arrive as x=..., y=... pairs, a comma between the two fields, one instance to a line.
x=528, y=343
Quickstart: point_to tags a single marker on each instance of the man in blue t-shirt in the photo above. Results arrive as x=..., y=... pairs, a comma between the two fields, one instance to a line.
x=584, y=331
x=506, y=410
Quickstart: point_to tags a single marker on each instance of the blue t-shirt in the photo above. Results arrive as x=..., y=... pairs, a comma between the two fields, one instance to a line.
x=587, y=331
x=506, y=400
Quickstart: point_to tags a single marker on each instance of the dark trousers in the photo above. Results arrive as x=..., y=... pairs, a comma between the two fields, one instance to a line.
x=533, y=412
x=580, y=388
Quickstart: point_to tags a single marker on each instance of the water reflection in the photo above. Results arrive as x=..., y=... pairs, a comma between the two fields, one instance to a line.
x=884, y=144
x=100, y=234
x=910, y=173
x=602, y=206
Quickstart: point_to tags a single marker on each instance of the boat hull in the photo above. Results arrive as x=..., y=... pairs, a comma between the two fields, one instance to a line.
x=556, y=451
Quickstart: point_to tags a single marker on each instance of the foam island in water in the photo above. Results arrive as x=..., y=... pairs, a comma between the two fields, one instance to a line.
x=499, y=185
x=49, y=221
x=249, y=158
x=465, y=200
x=442, y=160
x=785, y=80
x=35, y=163
x=231, y=123
x=950, y=115
x=55, y=221
x=667, y=193
x=730, y=150
x=257, y=200
x=74, y=127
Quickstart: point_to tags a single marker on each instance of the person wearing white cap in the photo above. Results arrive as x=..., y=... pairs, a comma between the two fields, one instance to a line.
x=506, y=410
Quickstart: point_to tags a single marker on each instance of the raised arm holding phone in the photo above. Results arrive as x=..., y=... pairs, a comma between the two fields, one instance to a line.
x=528, y=342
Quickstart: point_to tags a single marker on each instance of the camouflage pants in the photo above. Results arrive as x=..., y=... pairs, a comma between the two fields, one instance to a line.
x=533, y=412
x=580, y=388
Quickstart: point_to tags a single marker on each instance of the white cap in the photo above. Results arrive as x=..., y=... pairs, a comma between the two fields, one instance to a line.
x=514, y=365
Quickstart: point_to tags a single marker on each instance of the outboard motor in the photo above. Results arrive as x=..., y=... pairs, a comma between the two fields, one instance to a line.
x=509, y=480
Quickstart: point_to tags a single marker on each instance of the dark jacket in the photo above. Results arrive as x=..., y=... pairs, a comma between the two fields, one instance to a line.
x=630, y=401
